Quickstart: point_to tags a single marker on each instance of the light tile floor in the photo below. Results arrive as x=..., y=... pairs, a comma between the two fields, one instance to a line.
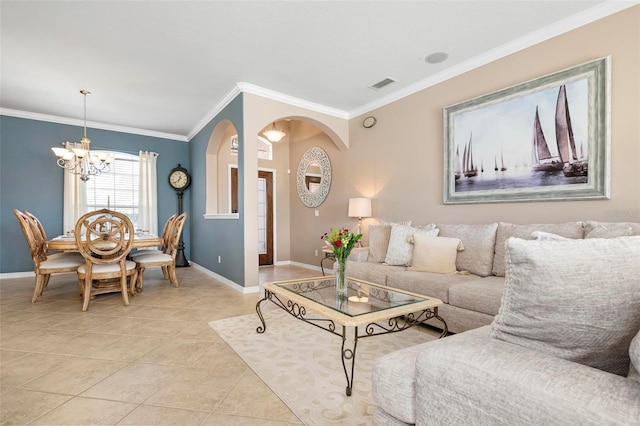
x=154, y=362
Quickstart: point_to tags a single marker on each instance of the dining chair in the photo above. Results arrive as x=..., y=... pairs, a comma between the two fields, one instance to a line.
x=41, y=237
x=105, y=238
x=44, y=264
x=165, y=242
x=164, y=260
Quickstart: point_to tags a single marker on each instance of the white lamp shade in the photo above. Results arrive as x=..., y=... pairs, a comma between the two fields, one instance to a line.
x=359, y=207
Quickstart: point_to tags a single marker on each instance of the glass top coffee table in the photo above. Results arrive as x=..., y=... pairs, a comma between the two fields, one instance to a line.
x=367, y=310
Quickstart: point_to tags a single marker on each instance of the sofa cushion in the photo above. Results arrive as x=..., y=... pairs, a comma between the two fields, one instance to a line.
x=634, y=354
x=575, y=299
x=393, y=382
x=434, y=254
x=594, y=229
x=479, y=244
x=426, y=283
x=372, y=272
x=508, y=230
x=481, y=295
x=400, y=250
x=379, y=240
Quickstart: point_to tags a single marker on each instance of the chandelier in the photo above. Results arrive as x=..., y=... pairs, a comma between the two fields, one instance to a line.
x=76, y=157
x=274, y=135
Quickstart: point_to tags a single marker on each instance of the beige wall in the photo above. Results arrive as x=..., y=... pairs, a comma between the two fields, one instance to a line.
x=399, y=162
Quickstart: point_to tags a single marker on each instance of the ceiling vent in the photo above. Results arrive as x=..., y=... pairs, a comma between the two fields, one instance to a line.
x=379, y=85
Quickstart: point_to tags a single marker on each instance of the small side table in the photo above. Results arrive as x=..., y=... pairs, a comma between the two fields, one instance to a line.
x=328, y=254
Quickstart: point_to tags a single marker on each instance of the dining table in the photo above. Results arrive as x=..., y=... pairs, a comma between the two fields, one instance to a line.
x=67, y=242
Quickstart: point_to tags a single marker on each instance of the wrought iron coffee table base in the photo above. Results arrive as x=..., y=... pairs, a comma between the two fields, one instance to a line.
x=348, y=350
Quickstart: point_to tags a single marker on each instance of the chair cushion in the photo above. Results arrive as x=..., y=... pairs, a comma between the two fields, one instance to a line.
x=508, y=230
x=400, y=250
x=69, y=255
x=153, y=257
x=574, y=299
x=479, y=243
x=108, y=268
x=60, y=262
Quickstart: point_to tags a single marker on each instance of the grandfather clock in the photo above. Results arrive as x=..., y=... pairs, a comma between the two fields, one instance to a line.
x=180, y=180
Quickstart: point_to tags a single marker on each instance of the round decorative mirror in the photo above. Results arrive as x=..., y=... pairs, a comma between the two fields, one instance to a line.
x=314, y=177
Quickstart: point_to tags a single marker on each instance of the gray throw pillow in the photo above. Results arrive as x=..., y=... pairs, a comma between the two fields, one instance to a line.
x=508, y=230
x=479, y=243
x=575, y=299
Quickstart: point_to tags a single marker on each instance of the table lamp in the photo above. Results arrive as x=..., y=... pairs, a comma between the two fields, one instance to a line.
x=359, y=207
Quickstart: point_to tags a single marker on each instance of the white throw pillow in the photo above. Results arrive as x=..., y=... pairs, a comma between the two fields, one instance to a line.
x=575, y=299
x=634, y=354
x=434, y=254
x=379, y=240
x=400, y=250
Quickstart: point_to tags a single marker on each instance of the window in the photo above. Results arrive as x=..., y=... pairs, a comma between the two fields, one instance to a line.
x=118, y=189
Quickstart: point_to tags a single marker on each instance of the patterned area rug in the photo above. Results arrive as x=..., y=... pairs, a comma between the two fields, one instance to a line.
x=302, y=364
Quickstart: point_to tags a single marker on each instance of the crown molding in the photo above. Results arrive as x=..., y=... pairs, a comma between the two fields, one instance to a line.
x=568, y=24
x=292, y=100
x=235, y=91
x=242, y=87
x=90, y=124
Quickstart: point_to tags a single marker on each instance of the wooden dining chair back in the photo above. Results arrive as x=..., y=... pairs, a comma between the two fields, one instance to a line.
x=164, y=260
x=43, y=264
x=105, y=238
x=166, y=231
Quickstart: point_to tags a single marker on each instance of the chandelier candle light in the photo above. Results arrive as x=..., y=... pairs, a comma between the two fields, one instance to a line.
x=341, y=242
x=76, y=157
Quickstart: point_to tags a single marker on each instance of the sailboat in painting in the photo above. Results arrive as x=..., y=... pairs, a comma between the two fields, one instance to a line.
x=458, y=172
x=468, y=168
x=541, y=157
x=564, y=137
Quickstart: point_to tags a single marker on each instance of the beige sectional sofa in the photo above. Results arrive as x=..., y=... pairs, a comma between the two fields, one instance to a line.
x=473, y=293
x=561, y=351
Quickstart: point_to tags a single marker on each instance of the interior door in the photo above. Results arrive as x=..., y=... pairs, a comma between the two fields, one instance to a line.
x=265, y=217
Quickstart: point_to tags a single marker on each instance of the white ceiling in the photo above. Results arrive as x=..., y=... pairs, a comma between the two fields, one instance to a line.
x=163, y=67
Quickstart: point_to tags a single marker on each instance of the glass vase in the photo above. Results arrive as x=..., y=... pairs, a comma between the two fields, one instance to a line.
x=341, y=278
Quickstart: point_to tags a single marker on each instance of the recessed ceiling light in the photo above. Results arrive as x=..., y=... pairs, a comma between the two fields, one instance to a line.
x=436, y=58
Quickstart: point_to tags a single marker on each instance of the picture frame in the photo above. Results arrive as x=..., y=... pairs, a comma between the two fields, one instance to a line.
x=546, y=139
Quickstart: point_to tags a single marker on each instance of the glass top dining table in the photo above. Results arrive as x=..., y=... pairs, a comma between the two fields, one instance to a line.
x=67, y=242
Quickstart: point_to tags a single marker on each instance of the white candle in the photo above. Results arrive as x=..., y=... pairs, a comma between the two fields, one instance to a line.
x=108, y=202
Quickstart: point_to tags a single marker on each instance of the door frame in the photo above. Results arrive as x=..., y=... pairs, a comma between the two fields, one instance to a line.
x=275, y=203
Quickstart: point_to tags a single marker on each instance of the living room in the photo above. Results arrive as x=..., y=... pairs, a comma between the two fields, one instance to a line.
x=397, y=163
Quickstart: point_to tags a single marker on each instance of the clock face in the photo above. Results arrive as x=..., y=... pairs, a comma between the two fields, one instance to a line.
x=178, y=179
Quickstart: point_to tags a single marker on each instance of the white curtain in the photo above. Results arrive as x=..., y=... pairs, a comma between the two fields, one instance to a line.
x=148, y=202
x=75, y=200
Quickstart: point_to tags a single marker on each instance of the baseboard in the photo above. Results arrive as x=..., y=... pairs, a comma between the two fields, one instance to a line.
x=12, y=275
x=226, y=281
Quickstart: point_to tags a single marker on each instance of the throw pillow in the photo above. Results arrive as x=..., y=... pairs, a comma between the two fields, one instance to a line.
x=434, y=254
x=508, y=230
x=546, y=236
x=479, y=244
x=634, y=354
x=608, y=231
x=593, y=228
x=400, y=250
x=575, y=299
x=379, y=240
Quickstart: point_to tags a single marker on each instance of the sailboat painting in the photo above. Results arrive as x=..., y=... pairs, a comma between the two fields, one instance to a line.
x=548, y=138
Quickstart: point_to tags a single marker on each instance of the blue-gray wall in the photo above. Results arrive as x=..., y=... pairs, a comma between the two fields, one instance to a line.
x=31, y=180
x=213, y=238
